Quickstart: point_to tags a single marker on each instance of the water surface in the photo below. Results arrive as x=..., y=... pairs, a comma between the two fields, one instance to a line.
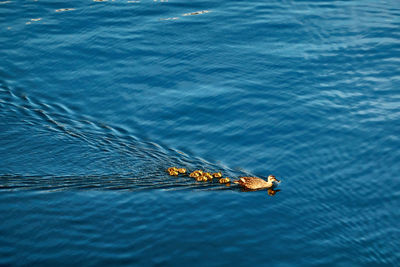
x=98, y=98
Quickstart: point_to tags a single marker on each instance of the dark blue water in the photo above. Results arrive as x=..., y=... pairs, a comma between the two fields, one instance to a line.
x=98, y=100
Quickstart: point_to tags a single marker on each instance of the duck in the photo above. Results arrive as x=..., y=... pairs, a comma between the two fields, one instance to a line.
x=208, y=175
x=195, y=174
x=200, y=178
x=182, y=170
x=217, y=175
x=255, y=183
x=224, y=180
x=172, y=169
x=173, y=173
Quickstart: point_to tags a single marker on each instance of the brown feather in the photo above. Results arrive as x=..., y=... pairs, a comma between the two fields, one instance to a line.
x=254, y=183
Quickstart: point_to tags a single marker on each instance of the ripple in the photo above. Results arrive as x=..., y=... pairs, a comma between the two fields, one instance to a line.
x=196, y=13
x=107, y=140
x=172, y=18
x=65, y=9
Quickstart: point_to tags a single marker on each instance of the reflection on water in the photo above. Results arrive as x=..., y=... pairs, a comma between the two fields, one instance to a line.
x=196, y=13
x=33, y=20
x=65, y=9
x=172, y=18
x=272, y=192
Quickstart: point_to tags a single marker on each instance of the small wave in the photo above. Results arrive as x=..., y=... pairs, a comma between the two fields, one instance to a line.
x=137, y=163
x=129, y=182
x=196, y=13
x=64, y=9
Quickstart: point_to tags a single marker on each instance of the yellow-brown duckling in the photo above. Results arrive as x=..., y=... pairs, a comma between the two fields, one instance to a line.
x=196, y=173
x=208, y=175
x=224, y=180
x=217, y=175
x=255, y=183
x=173, y=173
x=182, y=170
x=199, y=178
x=172, y=169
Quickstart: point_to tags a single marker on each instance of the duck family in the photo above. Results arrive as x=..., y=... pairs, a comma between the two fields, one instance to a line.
x=199, y=175
x=249, y=183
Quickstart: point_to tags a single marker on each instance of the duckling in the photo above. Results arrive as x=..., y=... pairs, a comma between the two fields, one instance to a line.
x=205, y=179
x=199, y=178
x=208, y=175
x=199, y=171
x=194, y=174
x=224, y=180
x=217, y=175
x=173, y=173
x=255, y=183
x=182, y=170
x=172, y=169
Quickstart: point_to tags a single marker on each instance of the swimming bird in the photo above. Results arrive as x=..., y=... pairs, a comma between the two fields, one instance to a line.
x=172, y=169
x=208, y=175
x=255, y=183
x=224, y=180
x=182, y=170
x=217, y=175
x=173, y=173
x=200, y=178
x=196, y=174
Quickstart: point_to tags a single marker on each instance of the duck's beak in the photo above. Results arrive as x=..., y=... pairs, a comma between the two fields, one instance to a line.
x=278, y=181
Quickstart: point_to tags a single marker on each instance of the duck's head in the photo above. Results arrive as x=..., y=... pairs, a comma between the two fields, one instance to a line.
x=272, y=179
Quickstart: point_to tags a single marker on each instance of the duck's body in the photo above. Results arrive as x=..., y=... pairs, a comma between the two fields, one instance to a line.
x=255, y=183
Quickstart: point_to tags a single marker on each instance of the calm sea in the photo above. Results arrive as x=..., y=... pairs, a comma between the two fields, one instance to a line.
x=98, y=98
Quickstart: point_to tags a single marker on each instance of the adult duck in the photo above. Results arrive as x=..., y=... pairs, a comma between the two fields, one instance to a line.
x=255, y=183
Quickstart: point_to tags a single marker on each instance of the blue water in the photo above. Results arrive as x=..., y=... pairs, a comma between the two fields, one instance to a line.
x=98, y=100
